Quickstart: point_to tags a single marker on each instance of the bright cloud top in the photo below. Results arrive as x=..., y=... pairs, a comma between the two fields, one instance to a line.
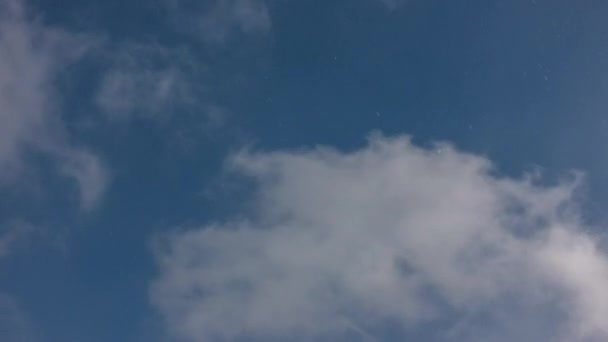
x=341, y=243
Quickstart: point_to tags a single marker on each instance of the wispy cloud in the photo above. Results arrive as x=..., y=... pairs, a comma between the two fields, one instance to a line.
x=15, y=325
x=217, y=21
x=32, y=55
x=393, y=4
x=148, y=80
x=171, y=87
x=14, y=234
x=340, y=243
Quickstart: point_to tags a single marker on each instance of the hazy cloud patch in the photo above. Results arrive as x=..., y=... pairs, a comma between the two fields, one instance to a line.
x=32, y=55
x=217, y=21
x=149, y=81
x=15, y=325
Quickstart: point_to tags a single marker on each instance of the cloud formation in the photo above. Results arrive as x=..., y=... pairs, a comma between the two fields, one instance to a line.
x=337, y=245
x=31, y=57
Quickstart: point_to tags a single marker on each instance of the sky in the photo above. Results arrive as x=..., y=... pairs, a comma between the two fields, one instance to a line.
x=303, y=170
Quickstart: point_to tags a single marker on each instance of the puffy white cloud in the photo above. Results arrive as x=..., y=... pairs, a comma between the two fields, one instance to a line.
x=31, y=57
x=338, y=244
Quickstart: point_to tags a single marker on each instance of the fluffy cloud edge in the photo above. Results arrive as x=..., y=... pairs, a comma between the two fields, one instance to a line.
x=339, y=243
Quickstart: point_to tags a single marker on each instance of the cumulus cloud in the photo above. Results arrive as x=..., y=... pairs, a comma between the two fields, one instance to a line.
x=31, y=57
x=338, y=245
x=217, y=21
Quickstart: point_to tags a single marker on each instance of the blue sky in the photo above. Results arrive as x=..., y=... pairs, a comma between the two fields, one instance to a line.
x=303, y=170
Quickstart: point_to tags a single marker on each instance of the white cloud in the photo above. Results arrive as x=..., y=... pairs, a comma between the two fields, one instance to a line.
x=217, y=21
x=31, y=57
x=337, y=244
